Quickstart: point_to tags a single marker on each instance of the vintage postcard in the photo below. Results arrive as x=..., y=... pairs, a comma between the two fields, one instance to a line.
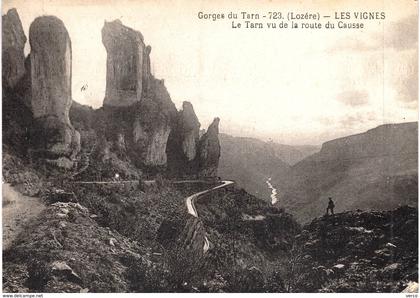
x=184, y=146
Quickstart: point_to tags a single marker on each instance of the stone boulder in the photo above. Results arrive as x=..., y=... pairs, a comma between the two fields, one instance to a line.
x=209, y=150
x=63, y=271
x=412, y=287
x=192, y=237
x=13, y=44
x=53, y=136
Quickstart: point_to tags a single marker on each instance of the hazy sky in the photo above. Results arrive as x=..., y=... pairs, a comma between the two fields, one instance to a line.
x=295, y=87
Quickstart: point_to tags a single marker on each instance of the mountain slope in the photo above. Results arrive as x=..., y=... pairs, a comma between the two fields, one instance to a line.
x=374, y=170
x=293, y=154
x=250, y=162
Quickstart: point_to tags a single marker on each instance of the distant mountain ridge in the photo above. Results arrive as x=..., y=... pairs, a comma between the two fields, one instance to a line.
x=387, y=139
x=290, y=154
x=372, y=170
x=250, y=161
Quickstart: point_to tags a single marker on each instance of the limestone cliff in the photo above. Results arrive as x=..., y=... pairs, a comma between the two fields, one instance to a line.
x=138, y=121
x=13, y=43
x=183, y=142
x=128, y=64
x=190, y=129
x=134, y=99
x=53, y=135
x=209, y=150
x=17, y=115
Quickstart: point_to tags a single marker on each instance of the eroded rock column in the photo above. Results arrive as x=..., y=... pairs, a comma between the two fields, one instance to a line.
x=183, y=143
x=13, y=44
x=134, y=98
x=209, y=150
x=126, y=64
x=190, y=130
x=53, y=135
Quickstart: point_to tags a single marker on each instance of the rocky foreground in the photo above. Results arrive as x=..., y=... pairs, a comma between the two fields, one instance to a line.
x=358, y=252
x=111, y=238
x=100, y=239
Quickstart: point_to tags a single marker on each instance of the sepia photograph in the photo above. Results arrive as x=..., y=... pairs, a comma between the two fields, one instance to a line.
x=225, y=146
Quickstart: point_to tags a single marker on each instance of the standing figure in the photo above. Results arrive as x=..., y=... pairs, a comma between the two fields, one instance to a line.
x=330, y=206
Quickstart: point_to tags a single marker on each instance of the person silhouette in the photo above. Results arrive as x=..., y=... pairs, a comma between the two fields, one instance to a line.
x=330, y=206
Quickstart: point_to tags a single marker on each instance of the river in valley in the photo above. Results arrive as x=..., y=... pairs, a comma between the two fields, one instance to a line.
x=273, y=195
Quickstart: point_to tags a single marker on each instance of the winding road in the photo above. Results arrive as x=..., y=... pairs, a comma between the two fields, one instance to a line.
x=189, y=202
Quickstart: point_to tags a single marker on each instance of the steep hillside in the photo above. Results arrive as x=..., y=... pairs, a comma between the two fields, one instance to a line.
x=247, y=238
x=116, y=238
x=293, y=154
x=131, y=238
x=250, y=162
x=357, y=252
x=372, y=170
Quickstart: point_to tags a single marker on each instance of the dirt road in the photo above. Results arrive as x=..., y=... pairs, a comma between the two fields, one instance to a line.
x=18, y=210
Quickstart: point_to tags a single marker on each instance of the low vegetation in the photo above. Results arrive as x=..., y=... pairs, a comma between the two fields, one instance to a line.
x=138, y=237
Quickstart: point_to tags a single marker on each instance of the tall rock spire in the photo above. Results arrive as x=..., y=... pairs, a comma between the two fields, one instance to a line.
x=209, y=150
x=13, y=44
x=52, y=134
x=127, y=64
x=189, y=130
x=137, y=103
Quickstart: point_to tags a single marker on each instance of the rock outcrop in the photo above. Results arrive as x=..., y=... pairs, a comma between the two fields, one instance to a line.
x=190, y=130
x=128, y=64
x=380, y=248
x=17, y=115
x=53, y=136
x=138, y=121
x=192, y=237
x=13, y=43
x=137, y=103
x=209, y=150
x=183, y=142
